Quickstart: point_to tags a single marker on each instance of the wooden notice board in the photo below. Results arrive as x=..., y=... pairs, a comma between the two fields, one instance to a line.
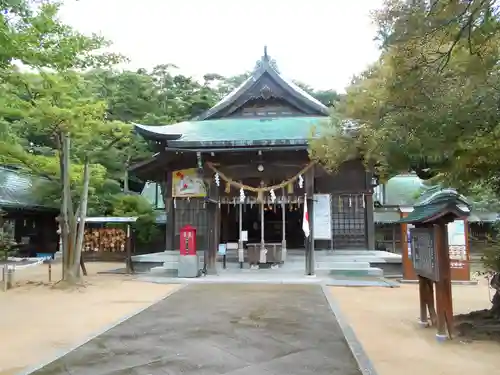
x=459, y=252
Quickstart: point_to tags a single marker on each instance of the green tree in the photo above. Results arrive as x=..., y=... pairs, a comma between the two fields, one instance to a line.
x=133, y=205
x=430, y=103
x=31, y=33
x=329, y=98
x=50, y=103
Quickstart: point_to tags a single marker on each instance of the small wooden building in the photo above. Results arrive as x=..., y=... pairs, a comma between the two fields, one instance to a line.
x=243, y=166
x=31, y=222
x=400, y=194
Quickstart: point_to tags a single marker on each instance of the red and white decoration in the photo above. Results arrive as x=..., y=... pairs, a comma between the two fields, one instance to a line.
x=305, y=220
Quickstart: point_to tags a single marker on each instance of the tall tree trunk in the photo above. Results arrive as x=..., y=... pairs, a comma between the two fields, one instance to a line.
x=73, y=225
x=82, y=266
x=125, y=176
x=65, y=209
x=81, y=222
x=495, y=284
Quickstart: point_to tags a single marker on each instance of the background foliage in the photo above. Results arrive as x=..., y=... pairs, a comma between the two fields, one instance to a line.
x=54, y=80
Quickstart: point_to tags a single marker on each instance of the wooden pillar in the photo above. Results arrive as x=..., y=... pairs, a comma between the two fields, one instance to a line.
x=426, y=295
x=444, y=305
x=129, y=265
x=262, y=234
x=393, y=226
x=214, y=217
x=370, y=222
x=241, y=254
x=283, y=223
x=170, y=214
x=310, y=262
x=209, y=261
x=408, y=270
x=225, y=222
x=217, y=232
x=240, y=223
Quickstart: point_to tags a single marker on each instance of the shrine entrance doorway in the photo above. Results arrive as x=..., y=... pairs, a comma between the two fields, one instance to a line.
x=274, y=223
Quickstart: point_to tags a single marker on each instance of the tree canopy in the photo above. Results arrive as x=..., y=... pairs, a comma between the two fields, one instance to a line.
x=430, y=103
x=55, y=80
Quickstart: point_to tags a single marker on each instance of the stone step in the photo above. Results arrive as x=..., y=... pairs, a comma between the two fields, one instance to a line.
x=165, y=256
x=329, y=265
x=354, y=259
x=357, y=272
x=343, y=265
x=173, y=265
x=292, y=256
x=164, y=271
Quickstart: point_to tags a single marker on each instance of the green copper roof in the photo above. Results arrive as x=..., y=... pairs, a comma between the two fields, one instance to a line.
x=152, y=192
x=423, y=213
x=438, y=203
x=18, y=190
x=386, y=217
x=403, y=190
x=236, y=132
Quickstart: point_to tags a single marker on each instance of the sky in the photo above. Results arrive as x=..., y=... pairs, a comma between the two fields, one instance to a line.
x=319, y=42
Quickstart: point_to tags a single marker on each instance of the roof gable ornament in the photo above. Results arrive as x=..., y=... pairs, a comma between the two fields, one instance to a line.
x=265, y=57
x=266, y=67
x=266, y=61
x=266, y=92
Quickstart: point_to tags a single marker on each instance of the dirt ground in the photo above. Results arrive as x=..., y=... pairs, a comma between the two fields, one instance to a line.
x=38, y=321
x=385, y=321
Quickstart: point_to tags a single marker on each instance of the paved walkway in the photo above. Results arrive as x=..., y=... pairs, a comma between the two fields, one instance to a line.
x=209, y=329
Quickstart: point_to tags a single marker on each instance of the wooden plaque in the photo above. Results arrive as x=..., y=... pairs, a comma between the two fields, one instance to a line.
x=424, y=252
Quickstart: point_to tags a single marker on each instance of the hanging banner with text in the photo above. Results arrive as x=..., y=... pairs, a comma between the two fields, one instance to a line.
x=322, y=217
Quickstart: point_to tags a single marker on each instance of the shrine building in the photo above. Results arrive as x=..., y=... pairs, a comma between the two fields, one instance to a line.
x=240, y=172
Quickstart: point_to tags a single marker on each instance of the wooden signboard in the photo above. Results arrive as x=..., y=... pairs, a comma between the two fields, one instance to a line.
x=424, y=252
x=322, y=217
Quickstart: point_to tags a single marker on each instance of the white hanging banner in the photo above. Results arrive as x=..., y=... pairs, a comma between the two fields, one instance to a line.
x=322, y=217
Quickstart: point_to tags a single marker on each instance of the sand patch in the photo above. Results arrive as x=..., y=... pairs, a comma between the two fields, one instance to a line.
x=37, y=321
x=385, y=321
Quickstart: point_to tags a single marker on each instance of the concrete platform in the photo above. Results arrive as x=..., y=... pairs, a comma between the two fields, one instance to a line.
x=338, y=262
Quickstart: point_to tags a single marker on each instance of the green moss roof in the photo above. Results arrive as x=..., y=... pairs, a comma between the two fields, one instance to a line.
x=236, y=132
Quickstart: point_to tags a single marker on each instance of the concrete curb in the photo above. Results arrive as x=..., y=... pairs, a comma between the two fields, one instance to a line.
x=305, y=280
x=453, y=282
x=364, y=363
x=98, y=333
